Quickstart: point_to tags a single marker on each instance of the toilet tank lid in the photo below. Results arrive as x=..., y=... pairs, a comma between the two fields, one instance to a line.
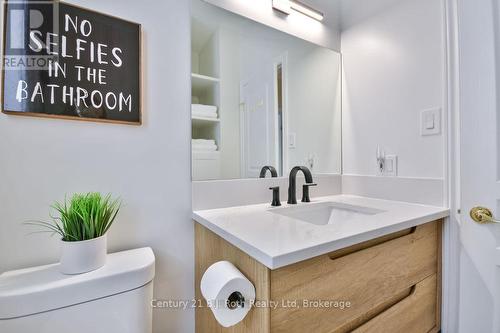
x=37, y=289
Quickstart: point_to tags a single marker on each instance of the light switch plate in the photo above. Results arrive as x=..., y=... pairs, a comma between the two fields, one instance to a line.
x=391, y=165
x=430, y=122
x=292, y=141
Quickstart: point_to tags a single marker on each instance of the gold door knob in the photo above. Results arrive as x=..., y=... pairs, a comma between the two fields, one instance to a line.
x=482, y=215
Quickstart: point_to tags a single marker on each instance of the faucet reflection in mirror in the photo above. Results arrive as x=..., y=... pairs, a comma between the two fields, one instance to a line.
x=271, y=169
x=269, y=99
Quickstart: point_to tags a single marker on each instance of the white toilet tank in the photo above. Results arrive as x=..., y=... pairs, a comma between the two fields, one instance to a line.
x=115, y=298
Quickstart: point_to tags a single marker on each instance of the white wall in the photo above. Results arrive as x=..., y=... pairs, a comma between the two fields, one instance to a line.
x=393, y=69
x=354, y=11
x=325, y=33
x=148, y=166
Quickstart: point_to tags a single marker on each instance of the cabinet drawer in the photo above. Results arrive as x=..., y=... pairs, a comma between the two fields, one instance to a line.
x=416, y=313
x=371, y=276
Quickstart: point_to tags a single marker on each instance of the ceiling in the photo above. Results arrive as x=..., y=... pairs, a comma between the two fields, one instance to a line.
x=331, y=9
x=345, y=13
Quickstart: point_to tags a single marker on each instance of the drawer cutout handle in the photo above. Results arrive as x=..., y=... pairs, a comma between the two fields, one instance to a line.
x=400, y=297
x=371, y=243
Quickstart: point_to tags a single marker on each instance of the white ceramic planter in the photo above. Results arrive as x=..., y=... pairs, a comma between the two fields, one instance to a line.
x=84, y=256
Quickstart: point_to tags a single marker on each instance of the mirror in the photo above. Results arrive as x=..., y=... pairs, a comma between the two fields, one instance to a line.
x=260, y=97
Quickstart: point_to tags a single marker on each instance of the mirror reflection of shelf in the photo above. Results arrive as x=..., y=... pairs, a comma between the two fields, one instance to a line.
x=206, y=155
x=206, y=165
x=204, y=121
x=201, y=83
x=205, y=91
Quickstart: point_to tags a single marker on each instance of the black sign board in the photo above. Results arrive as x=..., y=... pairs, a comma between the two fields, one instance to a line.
x=61, y=60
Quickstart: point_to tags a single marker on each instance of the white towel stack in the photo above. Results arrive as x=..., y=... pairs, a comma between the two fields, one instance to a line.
x=204, y=145
x=204, y=111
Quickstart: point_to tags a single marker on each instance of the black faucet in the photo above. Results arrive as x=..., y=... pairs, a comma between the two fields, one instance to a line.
x=292, y=185
x=264, y=169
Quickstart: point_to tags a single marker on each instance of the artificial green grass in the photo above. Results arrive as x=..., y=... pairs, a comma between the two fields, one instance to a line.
x=82, y=217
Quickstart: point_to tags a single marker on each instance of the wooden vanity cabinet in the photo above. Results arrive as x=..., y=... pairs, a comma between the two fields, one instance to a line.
x=389, y=284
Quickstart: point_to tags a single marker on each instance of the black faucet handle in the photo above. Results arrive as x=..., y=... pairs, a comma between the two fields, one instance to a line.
x=276, y=196
x=305, y=191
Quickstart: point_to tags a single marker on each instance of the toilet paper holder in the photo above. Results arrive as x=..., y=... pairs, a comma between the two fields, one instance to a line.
x=229, y=294
x=235, y=301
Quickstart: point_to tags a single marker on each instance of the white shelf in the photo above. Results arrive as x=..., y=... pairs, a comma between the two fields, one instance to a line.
x=204, y=121
x=202, y=82
x=209, y=154
x=205, y=89
x=205, y=155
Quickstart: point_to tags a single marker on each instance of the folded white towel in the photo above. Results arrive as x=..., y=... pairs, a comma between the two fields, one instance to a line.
x=207, y=111
x=204, y=115
x=203, y=108
x=204, y=148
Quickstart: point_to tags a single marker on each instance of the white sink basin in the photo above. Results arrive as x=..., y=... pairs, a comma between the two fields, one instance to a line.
x=326, y=212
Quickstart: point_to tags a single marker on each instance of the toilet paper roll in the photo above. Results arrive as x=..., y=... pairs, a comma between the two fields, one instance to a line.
x=228, y=293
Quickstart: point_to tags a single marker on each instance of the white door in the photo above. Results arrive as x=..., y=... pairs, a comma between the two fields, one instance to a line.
x=255, y=138
x=479, y=64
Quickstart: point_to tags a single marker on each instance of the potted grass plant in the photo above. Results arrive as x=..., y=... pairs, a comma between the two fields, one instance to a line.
x=82, y=222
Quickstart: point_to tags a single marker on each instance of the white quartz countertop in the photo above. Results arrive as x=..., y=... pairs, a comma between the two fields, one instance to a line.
x=276, y=240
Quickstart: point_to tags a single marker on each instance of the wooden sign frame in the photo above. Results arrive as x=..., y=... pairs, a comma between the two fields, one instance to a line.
x=72, y=117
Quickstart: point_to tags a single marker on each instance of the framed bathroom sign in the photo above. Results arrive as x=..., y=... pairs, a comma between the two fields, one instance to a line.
x=64, y=61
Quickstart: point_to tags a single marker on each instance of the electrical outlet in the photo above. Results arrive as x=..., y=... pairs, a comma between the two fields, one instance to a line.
x=387, y=165
x=391, y=165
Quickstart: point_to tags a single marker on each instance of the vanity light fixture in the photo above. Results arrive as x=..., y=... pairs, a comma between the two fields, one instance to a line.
x=306, y=10
x=286, y=6
x=282, y=6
